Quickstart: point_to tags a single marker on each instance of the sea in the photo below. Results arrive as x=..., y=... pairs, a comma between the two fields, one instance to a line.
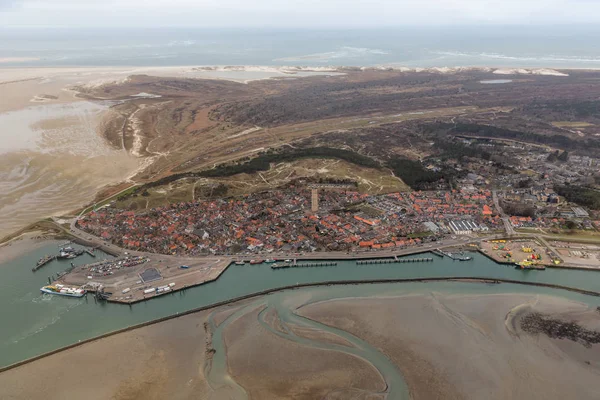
x=515, y=46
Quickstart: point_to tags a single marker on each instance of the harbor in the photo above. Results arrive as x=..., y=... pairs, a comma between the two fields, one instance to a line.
x=452, y=256
x=65, y=252
x=51, y=317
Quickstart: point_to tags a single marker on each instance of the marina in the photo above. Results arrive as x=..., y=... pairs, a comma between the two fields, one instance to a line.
x=452, y=256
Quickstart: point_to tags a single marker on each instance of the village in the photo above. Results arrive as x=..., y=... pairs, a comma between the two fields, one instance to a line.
x=298, y=219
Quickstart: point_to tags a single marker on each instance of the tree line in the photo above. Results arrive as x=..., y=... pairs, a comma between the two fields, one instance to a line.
x=581, y=195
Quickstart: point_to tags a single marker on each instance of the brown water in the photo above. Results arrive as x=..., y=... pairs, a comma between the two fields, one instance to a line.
x=52, y=161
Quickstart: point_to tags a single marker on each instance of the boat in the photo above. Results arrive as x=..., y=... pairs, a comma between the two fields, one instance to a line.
x=269, y=261
x=240, y=262
x=62, y=290
x=63, y=254
x=529, y=265
x=254, y=262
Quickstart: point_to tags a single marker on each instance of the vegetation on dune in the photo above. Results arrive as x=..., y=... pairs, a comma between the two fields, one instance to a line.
x=494, y=132
x=263, y=161
x=418, y=177
x=335, y=98
x=450, y=149
x=577, y=109
x=581, y=195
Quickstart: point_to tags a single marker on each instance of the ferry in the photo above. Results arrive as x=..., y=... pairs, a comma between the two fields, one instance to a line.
x=62, y=290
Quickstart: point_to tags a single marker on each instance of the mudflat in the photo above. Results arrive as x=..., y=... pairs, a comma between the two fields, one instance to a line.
x=289, y=345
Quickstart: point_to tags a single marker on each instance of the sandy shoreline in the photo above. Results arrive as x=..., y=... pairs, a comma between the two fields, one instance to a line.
x=23, y=244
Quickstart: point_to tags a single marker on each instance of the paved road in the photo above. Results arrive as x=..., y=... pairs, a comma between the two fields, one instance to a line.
x=320, y=255
x=507, y=224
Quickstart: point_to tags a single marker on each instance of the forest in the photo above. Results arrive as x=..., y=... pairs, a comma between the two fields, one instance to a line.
x=581, y=195
x=263, y=161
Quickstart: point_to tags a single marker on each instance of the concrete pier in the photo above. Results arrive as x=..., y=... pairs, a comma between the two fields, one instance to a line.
x=313, y=264
x=394, y=261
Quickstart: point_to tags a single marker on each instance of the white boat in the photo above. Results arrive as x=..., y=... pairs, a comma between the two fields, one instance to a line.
x=62, y=290
x=269, y=261
x=240, y=263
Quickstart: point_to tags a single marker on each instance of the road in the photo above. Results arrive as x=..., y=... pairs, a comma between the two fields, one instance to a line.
x=505, y=220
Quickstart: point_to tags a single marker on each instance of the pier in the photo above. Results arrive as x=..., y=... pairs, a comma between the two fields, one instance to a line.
x=394, y=260
x=314, y=264
x=43, y=261
x=451, y=256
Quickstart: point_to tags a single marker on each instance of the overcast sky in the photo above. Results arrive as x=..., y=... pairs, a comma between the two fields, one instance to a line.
x=295, y=13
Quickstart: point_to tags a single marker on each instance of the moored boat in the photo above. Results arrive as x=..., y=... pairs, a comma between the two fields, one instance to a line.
x=62, y=290
x=240, y=263
x=269, y=261
x=529, y=265
x=253, y=262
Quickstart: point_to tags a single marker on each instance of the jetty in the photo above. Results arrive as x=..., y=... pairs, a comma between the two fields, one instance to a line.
x=455, y=257
x=43, y=261
x=91, y=252
x=312, y=264
x=393, y=260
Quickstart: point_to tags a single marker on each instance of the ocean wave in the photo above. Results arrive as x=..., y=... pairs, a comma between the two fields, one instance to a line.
x=498, y=56
x=342, y=52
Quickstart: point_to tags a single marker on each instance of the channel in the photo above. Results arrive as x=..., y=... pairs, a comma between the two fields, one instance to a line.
x=33, y=324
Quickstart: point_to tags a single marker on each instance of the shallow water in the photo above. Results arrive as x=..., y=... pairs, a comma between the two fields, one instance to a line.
x=52, y=160
x=22, y=335
x=496, y=81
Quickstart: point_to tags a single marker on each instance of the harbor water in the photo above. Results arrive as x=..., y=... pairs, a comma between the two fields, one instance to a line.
x=34, y=323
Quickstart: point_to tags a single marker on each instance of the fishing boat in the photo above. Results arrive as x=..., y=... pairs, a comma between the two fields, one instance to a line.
x=62, y=290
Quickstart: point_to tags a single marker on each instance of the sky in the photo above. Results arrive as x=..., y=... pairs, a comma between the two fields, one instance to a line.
x=295, y=13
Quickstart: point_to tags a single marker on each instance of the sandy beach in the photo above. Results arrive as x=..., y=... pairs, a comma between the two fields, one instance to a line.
x=443, y=345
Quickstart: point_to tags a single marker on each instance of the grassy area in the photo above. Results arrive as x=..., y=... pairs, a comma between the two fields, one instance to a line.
x=45, y=226
x=369, y=180
x=419, y=235
x=578, y=237
x=121, y=194
x=571, y=124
